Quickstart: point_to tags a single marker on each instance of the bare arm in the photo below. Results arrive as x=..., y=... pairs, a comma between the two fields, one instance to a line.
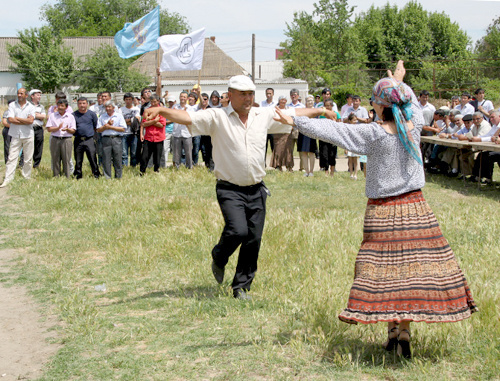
x=315, y=112
x=152, y=122
x=175, y=116
x=158, y=82
x=54, y=128
x=116, y=128
x=18, y=120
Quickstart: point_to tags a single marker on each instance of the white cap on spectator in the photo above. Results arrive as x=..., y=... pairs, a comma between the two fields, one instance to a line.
x=241, y=83
x=444, y=108
x=459, y=116
x=34, y=91
x=170, y=98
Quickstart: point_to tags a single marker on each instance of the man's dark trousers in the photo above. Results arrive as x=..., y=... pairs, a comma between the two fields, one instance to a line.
x=85, y=145
x=244, y=212
x=38, y=147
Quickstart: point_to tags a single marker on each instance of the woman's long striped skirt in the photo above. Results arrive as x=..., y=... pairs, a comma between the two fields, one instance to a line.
x=405, y=269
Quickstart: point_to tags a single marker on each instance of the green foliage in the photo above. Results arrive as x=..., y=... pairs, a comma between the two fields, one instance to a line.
x=317, y=44
x=106, y=71
x=42, y=59
x=75, y=18
x=412, y=34
x=492, y=88
x=302, y=52
x=489, y=47
x=339, y=94
x=460, y=74
x=327, y=48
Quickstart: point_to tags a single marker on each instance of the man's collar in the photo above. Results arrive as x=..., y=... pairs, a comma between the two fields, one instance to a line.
x=229, y=109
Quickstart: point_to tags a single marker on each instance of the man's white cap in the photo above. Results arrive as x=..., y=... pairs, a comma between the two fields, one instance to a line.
x=445, y=108
x=459, y=116
x=34, y=91
x=241, y=83
x=170, y=98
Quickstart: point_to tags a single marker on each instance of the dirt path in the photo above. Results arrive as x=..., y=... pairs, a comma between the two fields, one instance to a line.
x=24, y=332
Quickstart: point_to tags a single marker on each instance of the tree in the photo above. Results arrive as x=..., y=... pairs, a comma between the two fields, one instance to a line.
x=489, y=47
x=321, y=47
x=104, y=70
x=75, y=18
x=42, y=59
x=302, y=51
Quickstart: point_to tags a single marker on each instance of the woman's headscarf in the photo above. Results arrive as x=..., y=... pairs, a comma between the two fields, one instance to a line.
x=390, y=93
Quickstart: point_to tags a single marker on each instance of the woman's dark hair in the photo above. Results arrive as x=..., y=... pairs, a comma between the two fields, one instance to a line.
x=387, y=115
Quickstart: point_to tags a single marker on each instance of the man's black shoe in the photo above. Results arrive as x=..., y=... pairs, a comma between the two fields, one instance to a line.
x=218, y=273
x=241, y=294
x=472, y=179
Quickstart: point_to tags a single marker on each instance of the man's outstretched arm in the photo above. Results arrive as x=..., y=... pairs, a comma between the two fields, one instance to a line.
x=176, y=116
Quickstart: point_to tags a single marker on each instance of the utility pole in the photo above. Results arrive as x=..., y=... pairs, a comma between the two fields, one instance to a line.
x=253, y=57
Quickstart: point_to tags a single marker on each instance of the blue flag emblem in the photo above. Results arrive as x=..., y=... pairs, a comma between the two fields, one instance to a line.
x=140, y=36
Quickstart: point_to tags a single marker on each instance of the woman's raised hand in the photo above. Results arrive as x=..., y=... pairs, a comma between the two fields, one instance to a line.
x=399, y=73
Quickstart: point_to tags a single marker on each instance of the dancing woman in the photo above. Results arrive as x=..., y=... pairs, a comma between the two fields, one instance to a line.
x=405, y=270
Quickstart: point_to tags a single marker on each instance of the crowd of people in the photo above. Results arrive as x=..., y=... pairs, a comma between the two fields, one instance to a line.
x=466, y=119
x=113, y=137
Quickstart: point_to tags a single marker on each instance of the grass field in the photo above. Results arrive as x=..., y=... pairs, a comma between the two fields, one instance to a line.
x=163, y=317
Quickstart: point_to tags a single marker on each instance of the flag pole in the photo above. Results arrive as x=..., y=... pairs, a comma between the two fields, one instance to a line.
x=158, y=73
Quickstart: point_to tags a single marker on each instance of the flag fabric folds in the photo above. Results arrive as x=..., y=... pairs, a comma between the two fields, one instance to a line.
x=140, y=36
x=182, y=51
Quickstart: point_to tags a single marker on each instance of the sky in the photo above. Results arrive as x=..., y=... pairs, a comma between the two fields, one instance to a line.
x=233, y=22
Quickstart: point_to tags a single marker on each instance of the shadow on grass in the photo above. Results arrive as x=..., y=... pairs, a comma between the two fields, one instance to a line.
x=466, y=188
x=187, y=292
x=196, y=348
x=371, y=354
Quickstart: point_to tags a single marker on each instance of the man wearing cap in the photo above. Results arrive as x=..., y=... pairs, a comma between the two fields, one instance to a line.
x=238, y=134
x=40, y=116
x=21, y=116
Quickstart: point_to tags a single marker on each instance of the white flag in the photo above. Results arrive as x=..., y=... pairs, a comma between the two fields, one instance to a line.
x=182, y=51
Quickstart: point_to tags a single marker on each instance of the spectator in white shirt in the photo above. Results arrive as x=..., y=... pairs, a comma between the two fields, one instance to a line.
x=294, y=95
x=181, y=136
x=327, y=95
x=356, y=109
x=20, y=117
x=482, y=105
x=486, y=159
x=269, y=98
x=423, y=101
x=465, y=107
